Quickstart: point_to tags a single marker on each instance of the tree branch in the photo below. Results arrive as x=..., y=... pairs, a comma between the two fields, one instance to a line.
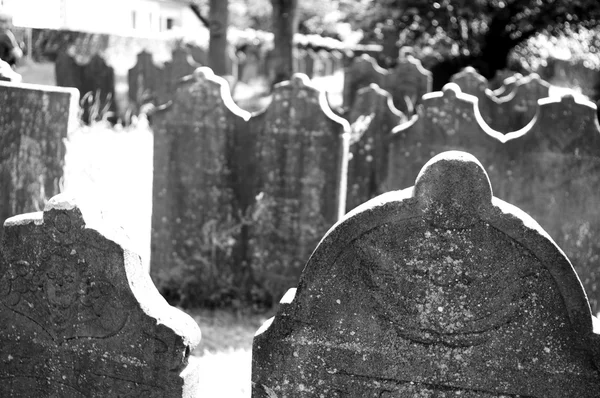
x=196, y=10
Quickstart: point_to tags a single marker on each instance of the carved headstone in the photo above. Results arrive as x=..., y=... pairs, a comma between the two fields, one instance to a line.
x=407, y=83
x=146, y=81
x=445, y=121
x=552, y=172
x=196, y=211
x=302, y=149
x=373, y=116
x=34, y=122
x=360, y=73
x=81, y=318
x=435, y=290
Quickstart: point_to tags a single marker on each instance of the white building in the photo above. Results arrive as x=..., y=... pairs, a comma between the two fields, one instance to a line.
x=121, y=17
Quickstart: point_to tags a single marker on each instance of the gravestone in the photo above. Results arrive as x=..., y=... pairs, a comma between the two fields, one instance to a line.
x=437, y=290
x=67, y=72
x=471, y=82
x=361, y=72
x=517, y=109
x=407, y=83
x=146, y=80
x=445, y=121
x=181, y=64
x=310, y=61
x=302, y=152
x=34, y=123
x=81, y=318
x=197, y=210
x=369, y=144
x=552, y=172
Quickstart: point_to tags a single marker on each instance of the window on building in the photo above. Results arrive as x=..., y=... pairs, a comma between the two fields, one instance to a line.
x=170, y=23
x=133, y=18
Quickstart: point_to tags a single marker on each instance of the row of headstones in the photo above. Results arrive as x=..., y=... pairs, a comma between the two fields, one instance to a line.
x=231, y=188
x=439, y=289
x=507, y=108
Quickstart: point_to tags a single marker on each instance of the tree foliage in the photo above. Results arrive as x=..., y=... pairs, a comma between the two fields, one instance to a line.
x=481, y=32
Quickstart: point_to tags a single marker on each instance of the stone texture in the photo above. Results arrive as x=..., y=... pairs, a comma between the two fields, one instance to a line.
x=361, y=72
x=373, y=116
x=33, y=124
x=196, y=217
x=407, y=83
x=81, y=318
x=181, y=64
x=302, y=150
x=439, y=290
x=146, y=81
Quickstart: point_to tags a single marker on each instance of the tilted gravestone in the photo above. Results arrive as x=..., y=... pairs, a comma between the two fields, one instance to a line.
x=196, y=215
x=302, y=154
x=81, y=318
x=407, y=83
x=437, y=290
x=373, y=117
x=445, y=121
x=146, y=81
x=361, y=72
x=34, y=122
x=552, y=172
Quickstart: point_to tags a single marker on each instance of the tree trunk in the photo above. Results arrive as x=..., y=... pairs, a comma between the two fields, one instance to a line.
x=284, y=27
x=217, y=47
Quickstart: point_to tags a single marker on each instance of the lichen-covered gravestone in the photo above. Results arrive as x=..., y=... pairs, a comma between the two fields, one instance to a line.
x=302, y=148
x=34, y=121
x=552, y=172
x=373, y=117
x=196, y=206
x=446, y=120
x=407, y=83
x=80, y=316
x=438, y=290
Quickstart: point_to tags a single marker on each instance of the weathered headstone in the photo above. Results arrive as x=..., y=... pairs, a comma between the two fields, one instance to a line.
x=146, y=80
x=34, y=121
x=361, y=72
x=437, y=290
x=445, y=121
x=81, y=318
x=302, y=148
x=407, y=83
x=552, y=172
x=196, y=214
x=369, y=143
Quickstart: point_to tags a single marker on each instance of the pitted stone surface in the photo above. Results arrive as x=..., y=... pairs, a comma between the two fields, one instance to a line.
x=437, y=290
x=81, y=318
